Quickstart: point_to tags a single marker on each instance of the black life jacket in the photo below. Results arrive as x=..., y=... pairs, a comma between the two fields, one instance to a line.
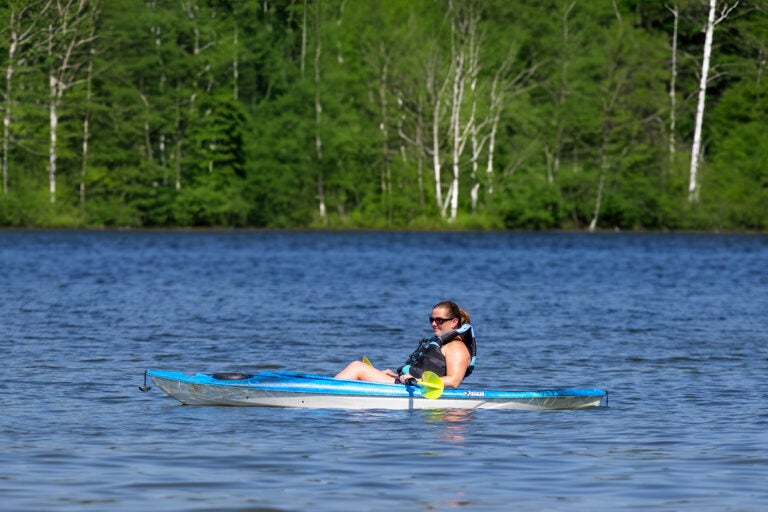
x=428, y=356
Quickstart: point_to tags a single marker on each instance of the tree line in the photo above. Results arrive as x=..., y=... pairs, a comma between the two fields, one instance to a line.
x=420, y=114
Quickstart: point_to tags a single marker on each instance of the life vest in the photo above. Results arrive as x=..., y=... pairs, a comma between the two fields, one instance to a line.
x=428, y=356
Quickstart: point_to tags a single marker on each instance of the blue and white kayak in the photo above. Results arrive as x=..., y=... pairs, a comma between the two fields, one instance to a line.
x=301, y=390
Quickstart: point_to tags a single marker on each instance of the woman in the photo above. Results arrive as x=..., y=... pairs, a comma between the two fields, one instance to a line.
x=450, y=352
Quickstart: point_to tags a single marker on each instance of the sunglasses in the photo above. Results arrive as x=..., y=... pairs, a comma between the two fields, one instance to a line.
x=439, y=321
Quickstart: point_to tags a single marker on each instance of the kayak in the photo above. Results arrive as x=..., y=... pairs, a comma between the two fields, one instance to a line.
x=302, y=390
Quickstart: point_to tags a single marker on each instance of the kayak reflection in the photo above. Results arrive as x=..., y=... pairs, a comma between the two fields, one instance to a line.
x=454, y=422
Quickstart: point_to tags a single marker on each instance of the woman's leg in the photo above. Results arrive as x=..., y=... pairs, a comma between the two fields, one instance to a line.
x=358, y=370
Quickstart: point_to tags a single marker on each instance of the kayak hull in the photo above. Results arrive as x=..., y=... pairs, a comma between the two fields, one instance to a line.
x=297, y=390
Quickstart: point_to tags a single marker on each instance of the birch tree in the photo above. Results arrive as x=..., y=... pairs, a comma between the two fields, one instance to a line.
x=70, y=32
x=23, y=18
x=696, y=151
x=86, y=126
x=435, y=93
x=156, y=32
x=672, y=83
x=386, y=171
x=464, y=57
x=319, y=117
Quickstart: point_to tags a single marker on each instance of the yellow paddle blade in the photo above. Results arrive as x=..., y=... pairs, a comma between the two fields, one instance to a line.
x=431, y=385
x=367, y=361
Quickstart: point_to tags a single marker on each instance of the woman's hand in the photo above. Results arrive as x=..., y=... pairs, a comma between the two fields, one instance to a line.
x=405, y=378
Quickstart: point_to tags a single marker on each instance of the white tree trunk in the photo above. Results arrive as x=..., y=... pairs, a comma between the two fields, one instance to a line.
x=598, y=199
x=435, y=96
x=20, y=16
x=9, y=69
x=436, y=153
x=236, y=67
x=86, y=128
x=69, y=32
x=179, y=140
x=386, y=172
x=498, y=89
x=54, y=123
x=162, y=148
x=672, y=85
x=456, y=134
x=465, y=56
x=162, y=144
x=420, y=151
x=477, y=147
x=318, y=119
x=491, y=149
x=693, y=185
x=696, y=150
x=7, y=114
x=608, y=106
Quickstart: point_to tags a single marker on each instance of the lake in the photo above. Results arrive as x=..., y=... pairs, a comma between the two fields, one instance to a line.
x=674, y=326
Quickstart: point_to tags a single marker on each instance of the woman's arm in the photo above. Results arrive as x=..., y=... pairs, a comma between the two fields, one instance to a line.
x=457, y=360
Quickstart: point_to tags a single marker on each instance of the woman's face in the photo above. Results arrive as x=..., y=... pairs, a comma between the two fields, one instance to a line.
x=442, y=321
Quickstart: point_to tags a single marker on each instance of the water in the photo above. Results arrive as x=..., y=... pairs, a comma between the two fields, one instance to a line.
x=674, y=326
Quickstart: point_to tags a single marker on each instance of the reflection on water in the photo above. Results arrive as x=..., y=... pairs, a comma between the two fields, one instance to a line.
x=454, y=423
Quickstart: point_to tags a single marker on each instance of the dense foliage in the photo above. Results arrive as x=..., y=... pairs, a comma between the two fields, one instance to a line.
x=517, y=114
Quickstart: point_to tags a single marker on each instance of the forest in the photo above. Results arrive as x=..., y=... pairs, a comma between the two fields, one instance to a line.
x=591, y=115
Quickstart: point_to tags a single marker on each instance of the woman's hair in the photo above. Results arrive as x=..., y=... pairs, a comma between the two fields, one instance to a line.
x=455, y=310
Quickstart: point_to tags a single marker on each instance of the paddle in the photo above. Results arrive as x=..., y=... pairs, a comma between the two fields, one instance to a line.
x=432, y=385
